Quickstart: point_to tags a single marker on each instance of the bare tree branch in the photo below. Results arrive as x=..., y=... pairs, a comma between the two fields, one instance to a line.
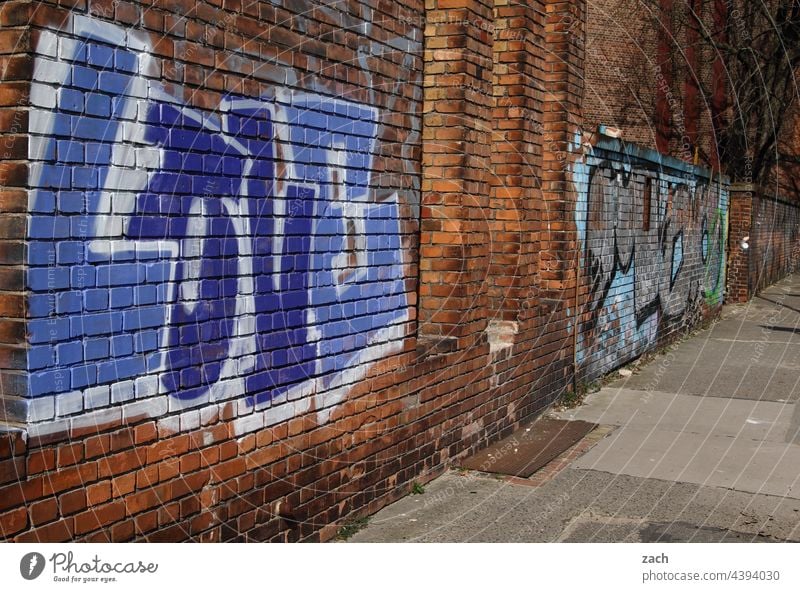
x=758, y=44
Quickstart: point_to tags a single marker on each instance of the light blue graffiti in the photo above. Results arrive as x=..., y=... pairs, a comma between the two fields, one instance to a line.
x=644, y=263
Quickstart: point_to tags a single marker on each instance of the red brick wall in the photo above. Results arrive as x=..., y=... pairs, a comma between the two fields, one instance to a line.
x=740, y=287
x=454, y=243
x=788, y=174
x=644, y=75
x=563, y=112
x=621, y=50
x=647, y=75
x=516, y=157
x=772, y=228
x=775, y=240
x=493, y=345
x=15, y=71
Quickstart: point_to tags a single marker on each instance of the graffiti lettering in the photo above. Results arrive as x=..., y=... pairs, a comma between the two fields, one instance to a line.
x=239, y=252
x=644, y=272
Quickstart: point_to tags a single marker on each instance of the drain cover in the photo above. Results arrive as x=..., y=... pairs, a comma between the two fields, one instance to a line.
x=530, y=448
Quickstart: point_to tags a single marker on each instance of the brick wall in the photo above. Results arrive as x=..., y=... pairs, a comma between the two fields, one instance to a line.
x=739, y=288
x=516, y=159
x=647, y=75
x=15, y=72
x=771, y=226
x=775, y=240
x=235, y=214
x=621, y=49
x=654, y=238
x=456, y=152
x=787, y=174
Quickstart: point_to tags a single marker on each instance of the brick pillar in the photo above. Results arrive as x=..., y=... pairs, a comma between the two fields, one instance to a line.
x=15, y=74
x=691, y=85
x=454, y=241
x=664, y=84
x=564, y=51
x=718, y=78
x=739, y=288
x=516, y=155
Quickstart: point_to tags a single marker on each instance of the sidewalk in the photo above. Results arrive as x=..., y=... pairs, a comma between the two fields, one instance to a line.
x=701, y=444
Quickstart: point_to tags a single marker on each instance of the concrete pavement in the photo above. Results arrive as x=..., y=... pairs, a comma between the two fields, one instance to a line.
x=701, y=444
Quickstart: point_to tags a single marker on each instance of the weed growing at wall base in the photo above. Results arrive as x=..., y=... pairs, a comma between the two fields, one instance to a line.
x=351, y=527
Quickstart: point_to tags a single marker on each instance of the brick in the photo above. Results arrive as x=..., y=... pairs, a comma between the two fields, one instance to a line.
x=12, y=443
x=13, y=201
x=15, y=40
x=43, y=511
x=123, y=531
x=15, y=13
x=123, y=485
x=97, y=446
x=20, y=493
x=99, y=516
x=122, y=439
x=146, y=522
x=72, y=502
x=13, y=94
x=41, y=460
x=168, y=448
x=168, y=469
x=145, y=433
x=13, y=522
x=121, y=463
x=71, y=477
x=56, y=532
x=97, y=493
x=147, y=477
x=12, y=469
x=71, y=454
x=146, y=499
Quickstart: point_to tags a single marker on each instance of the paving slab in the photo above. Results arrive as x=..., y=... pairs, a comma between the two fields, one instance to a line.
x=610, y=529
x=743, y=464
x=469, y=507
x=759, y=371
x=656, y=410
x=700, y=444
x=752, y=353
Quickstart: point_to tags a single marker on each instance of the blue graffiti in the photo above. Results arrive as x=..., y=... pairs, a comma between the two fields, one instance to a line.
x=235, y=252
x=646, y=264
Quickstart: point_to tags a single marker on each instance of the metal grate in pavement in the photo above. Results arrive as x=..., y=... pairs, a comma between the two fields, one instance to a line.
x=530, y=448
